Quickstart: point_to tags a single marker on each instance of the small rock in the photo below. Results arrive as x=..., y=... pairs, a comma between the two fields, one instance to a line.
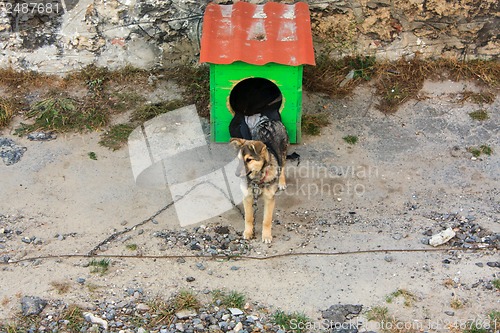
x=111, y=314
x=234, y=268
x=80, y=280
x=340, y=312
x=42, y=136
x=479, y=264
x=221, y=230
x=142, y=307
x=179, y=327
x=425, y=240
x=388, y=258
x=186, y=313
x=32, y=305
x=397, y=236
x=450, y=313
x=494, y=264
x=238, y=327
x=190, y=279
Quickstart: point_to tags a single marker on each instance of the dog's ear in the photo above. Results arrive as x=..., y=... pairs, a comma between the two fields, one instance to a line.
x=237, y=142
x=260, y=149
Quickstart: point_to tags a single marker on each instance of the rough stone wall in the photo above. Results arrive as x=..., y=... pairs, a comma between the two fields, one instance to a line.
x=465, y=29
x=57, y=36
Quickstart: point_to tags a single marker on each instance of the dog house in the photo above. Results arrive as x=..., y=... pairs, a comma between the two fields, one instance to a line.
x=263, y=47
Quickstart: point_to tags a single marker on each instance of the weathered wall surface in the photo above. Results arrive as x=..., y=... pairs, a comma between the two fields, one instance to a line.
x=57, y=36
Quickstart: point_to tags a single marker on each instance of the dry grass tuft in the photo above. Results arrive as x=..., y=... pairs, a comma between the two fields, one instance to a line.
x=397, y=82
x=61, y=287
x=337, y=77
x=196, y=83
x=6, y=112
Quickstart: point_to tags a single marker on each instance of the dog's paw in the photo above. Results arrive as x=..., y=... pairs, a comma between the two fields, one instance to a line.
x=267, y=239
x=281, y=187
x=248, y=234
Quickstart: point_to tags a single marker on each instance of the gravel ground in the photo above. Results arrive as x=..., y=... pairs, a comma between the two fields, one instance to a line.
x=379, y=203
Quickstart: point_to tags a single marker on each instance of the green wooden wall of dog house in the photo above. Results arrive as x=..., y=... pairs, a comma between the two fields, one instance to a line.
x=223, y=78
x=271, y=41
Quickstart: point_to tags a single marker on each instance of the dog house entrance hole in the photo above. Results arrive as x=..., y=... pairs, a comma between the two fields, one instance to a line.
x=255, y=95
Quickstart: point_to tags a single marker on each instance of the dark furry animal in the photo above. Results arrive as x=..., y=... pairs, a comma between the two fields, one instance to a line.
x=251, y=97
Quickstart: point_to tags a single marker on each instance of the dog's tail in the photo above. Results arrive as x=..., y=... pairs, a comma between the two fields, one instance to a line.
x=294, y=157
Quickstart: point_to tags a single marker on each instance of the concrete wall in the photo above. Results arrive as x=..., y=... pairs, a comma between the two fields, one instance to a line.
x=57, y=36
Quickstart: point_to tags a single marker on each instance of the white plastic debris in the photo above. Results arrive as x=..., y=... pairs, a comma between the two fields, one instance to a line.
x=235, y=311
x=442, y=237
x=95, y=320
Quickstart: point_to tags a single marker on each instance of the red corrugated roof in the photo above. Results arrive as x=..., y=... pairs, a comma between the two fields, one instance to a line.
x=257, y=34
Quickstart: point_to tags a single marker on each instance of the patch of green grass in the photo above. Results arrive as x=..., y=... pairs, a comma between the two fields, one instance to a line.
x=350, y=139
x=92, y=156
x=131, y=247
x=494, y=317
x=148, y=112
x=62, y=114
x=117, y=136
x=291, y=322
x=408, y=297
x=234, y=299
x=312, y=123
x=475, y=327
x=100, y=266
x=378, y=313
x=479, y=115
x=363, y=67
x=231, y=299
x=74, y=315
x=496, y=284
x=186, y=299
x=485, y=149
x=478, y=151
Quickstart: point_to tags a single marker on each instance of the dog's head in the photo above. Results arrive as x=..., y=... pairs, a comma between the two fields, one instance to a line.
x=253, y=157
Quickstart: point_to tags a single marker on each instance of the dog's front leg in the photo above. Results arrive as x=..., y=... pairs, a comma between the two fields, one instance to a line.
x=249, y=218
x=268, y=215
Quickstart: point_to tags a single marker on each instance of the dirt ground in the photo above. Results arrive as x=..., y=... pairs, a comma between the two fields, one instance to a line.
x=409, y=173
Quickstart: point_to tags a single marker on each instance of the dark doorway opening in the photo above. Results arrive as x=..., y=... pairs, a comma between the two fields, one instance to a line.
x=255, y=95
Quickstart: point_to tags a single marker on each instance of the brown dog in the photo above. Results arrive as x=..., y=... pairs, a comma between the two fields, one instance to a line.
x=262, y=166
